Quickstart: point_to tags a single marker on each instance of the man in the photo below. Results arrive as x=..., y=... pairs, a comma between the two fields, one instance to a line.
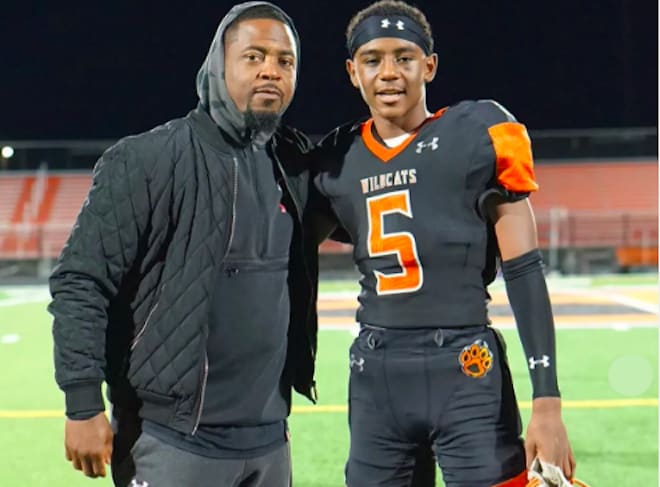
x=428, y=200
x=176, y=284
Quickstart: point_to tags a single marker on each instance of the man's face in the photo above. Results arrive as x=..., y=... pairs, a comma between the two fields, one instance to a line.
x=260, y=65
x=391, y=74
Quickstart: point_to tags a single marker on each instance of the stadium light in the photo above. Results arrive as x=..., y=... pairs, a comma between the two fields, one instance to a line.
x=7, y=151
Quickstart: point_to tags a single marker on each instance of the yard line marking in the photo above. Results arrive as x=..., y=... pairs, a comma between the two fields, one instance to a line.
x=632, y=302
x=10, y=339
x=342, y=408
x=575, y=404
x=31, y=414
x=615, y=297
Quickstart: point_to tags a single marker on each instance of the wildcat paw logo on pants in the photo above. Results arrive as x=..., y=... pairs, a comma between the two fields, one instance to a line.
x=476, y=359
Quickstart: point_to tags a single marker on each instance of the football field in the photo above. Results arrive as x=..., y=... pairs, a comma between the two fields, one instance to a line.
x=607, y=337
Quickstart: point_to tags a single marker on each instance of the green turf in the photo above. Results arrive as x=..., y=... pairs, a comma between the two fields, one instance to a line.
x=625, y=279
x=344, y=286
x=614, y=447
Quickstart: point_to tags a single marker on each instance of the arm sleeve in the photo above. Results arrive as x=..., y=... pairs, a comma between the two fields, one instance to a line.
x=528, y=295
x=101, y=248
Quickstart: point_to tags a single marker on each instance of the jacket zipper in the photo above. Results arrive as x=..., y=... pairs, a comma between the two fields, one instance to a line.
x=202, y=394
x=263, y=211
x=205, y=375
x=233, y=210
x=142, y=331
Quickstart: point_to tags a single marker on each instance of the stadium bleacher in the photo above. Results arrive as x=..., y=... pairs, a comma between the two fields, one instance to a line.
x=588, y=205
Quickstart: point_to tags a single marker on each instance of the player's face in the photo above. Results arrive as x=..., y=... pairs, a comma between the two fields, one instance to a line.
x=260, y=65
x=391, y=74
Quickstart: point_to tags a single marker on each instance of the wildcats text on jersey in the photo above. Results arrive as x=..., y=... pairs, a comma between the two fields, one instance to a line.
x=388, y=180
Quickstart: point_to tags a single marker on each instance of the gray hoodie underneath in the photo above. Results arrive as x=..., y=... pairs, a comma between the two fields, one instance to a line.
x=211, y=87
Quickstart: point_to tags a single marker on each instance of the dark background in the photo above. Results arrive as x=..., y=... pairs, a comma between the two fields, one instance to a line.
x=110, y=68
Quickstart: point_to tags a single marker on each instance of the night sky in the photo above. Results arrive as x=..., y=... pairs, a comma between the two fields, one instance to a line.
x=105, y=69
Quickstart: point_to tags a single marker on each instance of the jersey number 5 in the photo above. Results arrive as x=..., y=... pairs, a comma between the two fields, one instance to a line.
x=402, y=244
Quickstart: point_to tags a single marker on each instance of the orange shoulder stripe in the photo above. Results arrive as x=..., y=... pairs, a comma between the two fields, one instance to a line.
x=513, y=157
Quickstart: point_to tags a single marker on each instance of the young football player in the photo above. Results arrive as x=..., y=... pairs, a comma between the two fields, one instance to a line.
x=431, y=201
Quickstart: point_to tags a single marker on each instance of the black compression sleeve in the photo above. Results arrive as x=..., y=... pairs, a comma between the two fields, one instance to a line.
x=528, y=296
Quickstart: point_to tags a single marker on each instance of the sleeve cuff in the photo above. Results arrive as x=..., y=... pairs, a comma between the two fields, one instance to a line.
x=83, y=400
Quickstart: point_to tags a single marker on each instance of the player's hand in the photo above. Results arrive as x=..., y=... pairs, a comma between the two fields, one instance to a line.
x=88, y=444
x=547, y=437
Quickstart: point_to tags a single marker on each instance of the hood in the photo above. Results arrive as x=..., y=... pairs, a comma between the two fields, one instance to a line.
x=211, y=87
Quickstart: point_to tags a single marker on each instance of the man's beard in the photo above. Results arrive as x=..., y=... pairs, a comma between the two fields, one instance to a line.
x=262, y=124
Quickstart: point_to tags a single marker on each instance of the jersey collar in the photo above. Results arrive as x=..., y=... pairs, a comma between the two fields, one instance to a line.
x=384, y=153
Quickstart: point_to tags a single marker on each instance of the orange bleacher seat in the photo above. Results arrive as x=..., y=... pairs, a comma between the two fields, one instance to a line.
x=60, y=215
x=42, y=231
x=628, y=257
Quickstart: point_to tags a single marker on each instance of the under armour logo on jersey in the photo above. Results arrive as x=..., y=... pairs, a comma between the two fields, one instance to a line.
x=359, y=363
x=385, y=24
x=138, y=483
x=544, y=360
x=433, y=145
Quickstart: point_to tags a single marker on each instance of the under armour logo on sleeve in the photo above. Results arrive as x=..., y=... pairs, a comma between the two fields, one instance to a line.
x=545, y=361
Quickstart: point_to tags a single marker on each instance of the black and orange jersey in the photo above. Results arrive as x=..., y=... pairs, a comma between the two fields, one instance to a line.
x=421, y=243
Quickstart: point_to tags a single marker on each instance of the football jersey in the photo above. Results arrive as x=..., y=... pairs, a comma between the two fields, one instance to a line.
x=414, y=212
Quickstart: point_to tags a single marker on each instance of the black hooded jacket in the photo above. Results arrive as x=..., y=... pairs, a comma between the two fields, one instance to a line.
x=132, y=289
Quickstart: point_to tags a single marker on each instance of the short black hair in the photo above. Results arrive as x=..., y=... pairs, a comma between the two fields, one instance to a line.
x=257, y=12
x=391, y=7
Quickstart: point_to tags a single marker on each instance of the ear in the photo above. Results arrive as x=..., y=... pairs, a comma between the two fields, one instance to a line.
x=430, y=67
x=352, y=74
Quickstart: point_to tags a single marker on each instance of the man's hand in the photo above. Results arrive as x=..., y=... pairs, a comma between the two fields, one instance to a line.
x=88, y=444
x=546, y=436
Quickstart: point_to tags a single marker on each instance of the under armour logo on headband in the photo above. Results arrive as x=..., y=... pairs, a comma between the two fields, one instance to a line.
x=385, y=24
x=399, y=26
